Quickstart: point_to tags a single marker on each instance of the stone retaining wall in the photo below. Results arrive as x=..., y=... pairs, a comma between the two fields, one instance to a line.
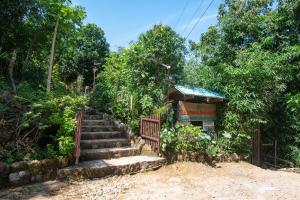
x=173, y=156
x=25, y=172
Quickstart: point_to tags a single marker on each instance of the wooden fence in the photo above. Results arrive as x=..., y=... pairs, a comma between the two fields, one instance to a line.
x=269, y=155
x=150, y=131
x=266, y=153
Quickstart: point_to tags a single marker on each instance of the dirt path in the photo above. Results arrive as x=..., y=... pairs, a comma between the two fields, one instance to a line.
x=177, y=181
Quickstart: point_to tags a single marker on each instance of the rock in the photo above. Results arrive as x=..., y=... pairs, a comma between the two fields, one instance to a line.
x=235, y=157
x=49, y=163
x=139, y=138
x=19, y=178
x=179, y=157
x=147, y=147
x=36, y=178
x=142, y=142
x=34, y=166
x=63, y=162
x=200, y=158
x=192, y=156
x=3, y=182
x=50, y=174
x=18, y=166
x=208, y=159
x=4, y=169
x=146, y=150
x=213, y=163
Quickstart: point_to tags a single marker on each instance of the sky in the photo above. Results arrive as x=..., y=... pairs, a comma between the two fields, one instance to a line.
x=124, y=20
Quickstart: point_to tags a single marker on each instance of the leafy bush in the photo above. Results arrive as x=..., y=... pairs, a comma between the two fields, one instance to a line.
x=65, y=145
x=192, y=138
x=295, y=155
x=168, y=139
x=56, y=111
x=8, y=157
x=42, y=153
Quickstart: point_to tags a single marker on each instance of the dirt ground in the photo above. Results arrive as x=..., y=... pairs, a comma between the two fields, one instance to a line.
x=177, y=181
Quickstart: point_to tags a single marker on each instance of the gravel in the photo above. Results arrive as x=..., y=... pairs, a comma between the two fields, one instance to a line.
x=182, y=180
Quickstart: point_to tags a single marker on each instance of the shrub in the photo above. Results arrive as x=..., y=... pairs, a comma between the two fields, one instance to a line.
x=59, y=112
x=191, y=138
x=295, y=155
x=8, y=157
x=65, y=145
x=168, y=139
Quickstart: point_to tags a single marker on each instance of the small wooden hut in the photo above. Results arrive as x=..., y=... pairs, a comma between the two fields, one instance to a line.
x=195, y=105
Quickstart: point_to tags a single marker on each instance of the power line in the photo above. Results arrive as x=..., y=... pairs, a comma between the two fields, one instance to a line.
x=200, y=18
x=185, y=6
x=194, y=14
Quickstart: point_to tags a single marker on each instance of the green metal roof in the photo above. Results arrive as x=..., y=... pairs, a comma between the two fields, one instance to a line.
x=201, y=92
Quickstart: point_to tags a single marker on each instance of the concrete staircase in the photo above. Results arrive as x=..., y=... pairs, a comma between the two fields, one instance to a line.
x=106, y=150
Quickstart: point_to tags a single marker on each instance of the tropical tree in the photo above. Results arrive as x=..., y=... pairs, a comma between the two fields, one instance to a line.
x=134, y=81
x=252, y=55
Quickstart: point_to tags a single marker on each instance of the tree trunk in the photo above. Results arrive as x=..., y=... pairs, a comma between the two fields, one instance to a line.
x=11, y=70
x=28, y=54
x=51, y=57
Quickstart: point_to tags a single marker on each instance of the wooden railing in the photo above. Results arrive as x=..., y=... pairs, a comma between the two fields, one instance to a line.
x=79, y=117
x=150, y=131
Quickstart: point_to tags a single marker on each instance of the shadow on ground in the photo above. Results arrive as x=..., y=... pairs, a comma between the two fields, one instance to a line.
x=46, y=189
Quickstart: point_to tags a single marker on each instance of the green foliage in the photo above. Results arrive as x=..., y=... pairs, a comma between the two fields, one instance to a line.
x=168, y=139
x=86, y=49
x=294, y=155
x=189, y=138
x=56, y=111
x=66, y=145
x=42, y=153
x=294, y=102
x=8, y=157
x=49, y=151
x=44, y=122
x=252, y=56
x=131, y=83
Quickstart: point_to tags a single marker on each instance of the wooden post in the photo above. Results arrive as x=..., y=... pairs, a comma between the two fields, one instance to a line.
x=258, y=146
x=275, y=153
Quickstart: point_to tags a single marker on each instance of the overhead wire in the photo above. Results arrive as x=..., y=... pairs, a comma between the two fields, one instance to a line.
x=193, y=16
x=211, y=2
x=182, y=12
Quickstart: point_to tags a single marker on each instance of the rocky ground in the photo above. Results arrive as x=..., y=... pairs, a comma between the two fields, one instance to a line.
x=178, y=181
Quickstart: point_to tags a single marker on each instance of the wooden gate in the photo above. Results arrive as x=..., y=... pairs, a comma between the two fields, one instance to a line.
x=150, y=131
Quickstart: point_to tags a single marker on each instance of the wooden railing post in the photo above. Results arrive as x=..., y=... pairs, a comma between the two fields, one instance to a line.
x=78, y=136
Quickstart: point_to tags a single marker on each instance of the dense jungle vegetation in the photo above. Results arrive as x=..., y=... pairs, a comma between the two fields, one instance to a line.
x=48, y=59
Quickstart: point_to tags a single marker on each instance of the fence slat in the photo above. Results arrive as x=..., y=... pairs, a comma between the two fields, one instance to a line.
x=150, y=131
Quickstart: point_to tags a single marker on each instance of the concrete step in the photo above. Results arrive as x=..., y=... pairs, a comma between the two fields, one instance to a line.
x=104, y=143
x=105, y=153
x=91, y=112
x=100, y=135
x=92, y=117
x=107, y=167
x=96, y=122
x=98, y=128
